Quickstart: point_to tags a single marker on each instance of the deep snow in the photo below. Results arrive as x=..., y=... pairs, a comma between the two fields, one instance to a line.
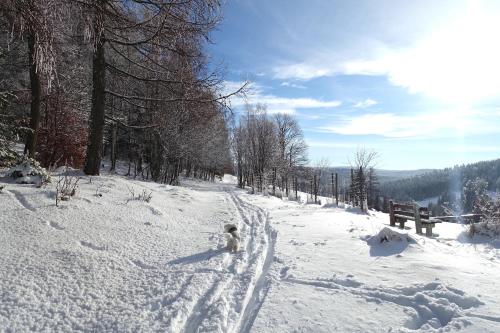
x=104, y=261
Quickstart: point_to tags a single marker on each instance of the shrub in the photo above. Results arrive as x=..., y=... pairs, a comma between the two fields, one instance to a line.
x=66, y=186
x=29, y=171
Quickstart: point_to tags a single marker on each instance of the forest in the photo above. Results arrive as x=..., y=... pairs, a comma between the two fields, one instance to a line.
x=447, y=184
x=129, y=80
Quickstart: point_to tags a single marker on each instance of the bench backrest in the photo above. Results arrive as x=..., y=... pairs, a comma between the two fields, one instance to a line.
x=407, y=209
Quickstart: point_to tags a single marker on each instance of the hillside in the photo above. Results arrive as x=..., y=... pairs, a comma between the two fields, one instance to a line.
x=107, y=261
x=437, y=182
x=382, y=174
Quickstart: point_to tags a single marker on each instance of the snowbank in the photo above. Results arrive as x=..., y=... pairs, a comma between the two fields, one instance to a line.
x=388, y=241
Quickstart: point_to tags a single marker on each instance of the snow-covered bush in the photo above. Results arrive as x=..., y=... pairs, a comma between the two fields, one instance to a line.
x=145, y=195
x=7, y=155
x=490, y=220
x=475, y=198
x=66, y=186
x=28, y=171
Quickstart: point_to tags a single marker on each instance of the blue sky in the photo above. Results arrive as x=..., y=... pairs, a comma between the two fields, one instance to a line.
x=416, y=80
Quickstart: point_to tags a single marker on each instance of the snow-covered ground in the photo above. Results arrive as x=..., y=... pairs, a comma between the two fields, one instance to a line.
x=105, y=261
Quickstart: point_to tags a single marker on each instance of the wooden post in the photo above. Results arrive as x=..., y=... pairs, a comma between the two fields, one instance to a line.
x=296, y=185
x=418, y=223
x=333, y=192
x=315, y=190
x=337, y=188
x=392, y=219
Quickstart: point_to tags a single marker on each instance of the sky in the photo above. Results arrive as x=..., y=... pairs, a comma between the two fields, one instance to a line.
x=418, y=81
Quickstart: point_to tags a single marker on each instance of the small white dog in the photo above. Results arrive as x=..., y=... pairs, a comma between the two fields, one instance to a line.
x=232, y=236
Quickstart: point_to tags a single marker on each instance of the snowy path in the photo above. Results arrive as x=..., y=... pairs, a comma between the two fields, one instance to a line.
x=104, y=262
x=232, y=300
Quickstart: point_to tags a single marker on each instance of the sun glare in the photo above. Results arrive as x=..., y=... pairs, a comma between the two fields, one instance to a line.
x=458, y=63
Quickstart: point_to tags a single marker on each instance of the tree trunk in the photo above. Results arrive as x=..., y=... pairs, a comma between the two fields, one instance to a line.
x=94, y=148
x=113, y=147
x=36, y=92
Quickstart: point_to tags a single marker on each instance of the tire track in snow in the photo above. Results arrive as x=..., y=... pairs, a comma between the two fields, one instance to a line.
x=205, y=304
x=263, y=257
x=202, y=306
x=233, y=300
x=261, y=286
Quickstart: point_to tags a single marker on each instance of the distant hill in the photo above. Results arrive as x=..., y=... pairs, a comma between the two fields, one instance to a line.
x=435, y=183
x=384, y=176
x=392, y=175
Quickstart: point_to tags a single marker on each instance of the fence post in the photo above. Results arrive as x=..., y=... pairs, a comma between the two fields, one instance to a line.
x=418, y=223
x=337, y=188
x=315, y=190
x=333, y=192
x=392, y=219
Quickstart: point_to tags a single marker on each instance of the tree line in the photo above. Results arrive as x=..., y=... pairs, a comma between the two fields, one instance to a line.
x=437, y=182
x=268, y=150
x=270, y=156
x=448, y=186
x=129, y=79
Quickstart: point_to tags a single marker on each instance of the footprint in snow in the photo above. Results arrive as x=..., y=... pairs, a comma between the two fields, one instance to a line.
x=155, y=211
x=284, y=272
x=93, y=246
x=142, y=265
x=56, y=225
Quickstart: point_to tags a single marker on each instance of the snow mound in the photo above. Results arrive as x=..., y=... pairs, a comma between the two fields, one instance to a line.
x=390, y=235
x=388, y=242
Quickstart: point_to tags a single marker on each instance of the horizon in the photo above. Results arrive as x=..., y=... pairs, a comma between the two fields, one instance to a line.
x=416, y=81
x=419, y=169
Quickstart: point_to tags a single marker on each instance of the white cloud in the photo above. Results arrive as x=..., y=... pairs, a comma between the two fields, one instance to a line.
x=276, y=104
x=458, y=62
x=365, y=104
x=300, y=71
x=292, y=85
x=456, y=123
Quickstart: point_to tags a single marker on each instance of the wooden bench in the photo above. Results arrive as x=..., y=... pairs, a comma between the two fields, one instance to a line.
x=402, y=212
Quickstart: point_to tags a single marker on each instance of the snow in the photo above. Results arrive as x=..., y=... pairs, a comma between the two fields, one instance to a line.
x=104, y=262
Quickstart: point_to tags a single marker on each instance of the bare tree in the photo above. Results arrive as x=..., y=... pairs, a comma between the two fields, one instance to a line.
x=291, y=147
x=34, y=21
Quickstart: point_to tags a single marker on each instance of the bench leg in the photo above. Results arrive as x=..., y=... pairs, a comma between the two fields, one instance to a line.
x=401, y=224
x=428, y=231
